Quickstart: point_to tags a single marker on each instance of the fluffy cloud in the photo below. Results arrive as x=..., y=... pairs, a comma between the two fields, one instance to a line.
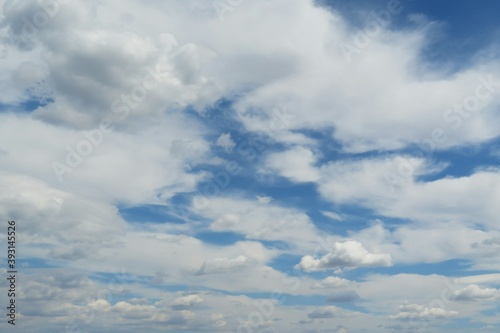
x=325, y=312
x=187, y=301
x=333, y=282
x=347, y=254
x=420, y=312
x=474, y=292
x=140, y=160
x=296, y=164
x=225, y=141
x=57, y=223
x=261, y=222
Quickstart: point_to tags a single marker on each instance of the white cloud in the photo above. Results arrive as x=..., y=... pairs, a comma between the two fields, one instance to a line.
x=332, y=282
x=346, y=254
x=420, y=312
x=262, y=222
x=187, y=301
x=264, y=199
x=325, y=312
x=225, y=141
x=332, y=215
x=474, y=292
x=139, y=160
x=296, y=164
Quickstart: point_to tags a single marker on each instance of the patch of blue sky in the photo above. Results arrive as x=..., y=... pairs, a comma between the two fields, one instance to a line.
x=26, y=106
x=171, y=287
x=349, y=223
x=219, y=238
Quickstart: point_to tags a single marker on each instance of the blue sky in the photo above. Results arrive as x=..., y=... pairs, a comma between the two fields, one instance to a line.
x=252, y=166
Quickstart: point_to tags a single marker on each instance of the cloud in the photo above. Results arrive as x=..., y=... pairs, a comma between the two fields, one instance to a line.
x=346, y=254
x=324, y=312
x=226, y=222
x=332, y=215
x=223, y=265
x=264, y=199
x=140, y=160
x=226, y=142
x=420, y=312
x=296, y=164
x=473, y=292
x=162, y=74
x=186, y=301
x=261, y=222
x=343, y=296
x=332, y=282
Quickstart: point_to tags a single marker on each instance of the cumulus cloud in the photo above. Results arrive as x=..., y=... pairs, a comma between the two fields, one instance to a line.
x=187, y=301
x=473, y=292
x=420, y=312
x=264, y=199
x=333, y=282
x=262, y=222
x=296, y=164
x=347, y=254
x=324, y=312
x=226, y=142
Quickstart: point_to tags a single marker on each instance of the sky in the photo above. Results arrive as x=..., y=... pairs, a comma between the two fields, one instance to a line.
x=251, y=166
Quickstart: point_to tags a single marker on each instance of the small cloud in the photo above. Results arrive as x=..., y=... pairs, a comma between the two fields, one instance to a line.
x=473, y=292
x=225, y=223
x=325, y=312
x=332, y=282
x=420, y=312
x=495, y=152
x=223, y=265
x=348, y=254
x=225, y=141
x=186, y=301
x=332, y=215
x=264, y=199
x=488, y=328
